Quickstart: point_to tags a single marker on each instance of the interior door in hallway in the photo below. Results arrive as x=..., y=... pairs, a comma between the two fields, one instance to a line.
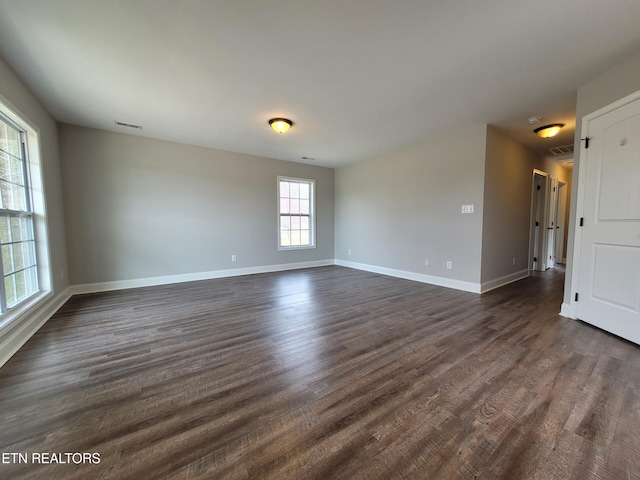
x=609, y=269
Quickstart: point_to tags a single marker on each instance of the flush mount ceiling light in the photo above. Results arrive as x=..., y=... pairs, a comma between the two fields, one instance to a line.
x=549, y=131
x=280, y=125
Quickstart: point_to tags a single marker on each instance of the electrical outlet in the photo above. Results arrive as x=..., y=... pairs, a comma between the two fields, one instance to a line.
x=349, y=252
x=513, y=262
x=61, y=274
x=467, y=208
x=449, y=264
x=426, y=262
x=234, y=258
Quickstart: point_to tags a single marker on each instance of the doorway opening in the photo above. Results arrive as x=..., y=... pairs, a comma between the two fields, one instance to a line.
x=539, y=209
x=547, y=244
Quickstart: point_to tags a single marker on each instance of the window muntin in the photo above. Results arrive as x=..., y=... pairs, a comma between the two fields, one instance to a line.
x=18, y=265
x=295, y=213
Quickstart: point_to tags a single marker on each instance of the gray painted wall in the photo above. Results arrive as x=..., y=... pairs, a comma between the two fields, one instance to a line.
x=139, y=208
x=507, y=206
x=398, y=210
x=608, y=87
x=25, y=104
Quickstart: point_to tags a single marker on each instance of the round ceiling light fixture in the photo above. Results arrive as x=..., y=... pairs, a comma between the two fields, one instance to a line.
x=548, y=131
x=280, y=125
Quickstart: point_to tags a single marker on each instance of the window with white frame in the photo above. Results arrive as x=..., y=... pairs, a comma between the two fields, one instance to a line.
x=18, y=265
x=296, y=221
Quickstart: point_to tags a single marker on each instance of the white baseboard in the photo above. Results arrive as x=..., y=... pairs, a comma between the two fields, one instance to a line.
x=568, y=310
x=502, y=281
x=192, y=277
x=417, y=277
x=24, y=326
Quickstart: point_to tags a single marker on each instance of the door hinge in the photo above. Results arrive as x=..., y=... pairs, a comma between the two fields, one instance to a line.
x=536, y=224
x=576, y=297
x=586, y=142
x=538, y=188
x=582, y=221
x=535, y=259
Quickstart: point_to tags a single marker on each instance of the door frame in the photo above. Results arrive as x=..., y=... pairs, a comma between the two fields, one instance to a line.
x=538, y=240
x=561, y=214
x=571, y=310
x=552, y=222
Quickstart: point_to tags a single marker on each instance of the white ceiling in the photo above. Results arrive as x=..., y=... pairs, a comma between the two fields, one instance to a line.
x=359, y=78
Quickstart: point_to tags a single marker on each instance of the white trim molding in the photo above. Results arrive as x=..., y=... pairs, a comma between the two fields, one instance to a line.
x=502, y=281
x=568, y=310
x=417, y=277
x=192, y=277
x=15, y=334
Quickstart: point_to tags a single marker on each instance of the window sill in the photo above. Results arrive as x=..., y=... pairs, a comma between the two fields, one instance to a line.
x=297, y=247
x=15, y=314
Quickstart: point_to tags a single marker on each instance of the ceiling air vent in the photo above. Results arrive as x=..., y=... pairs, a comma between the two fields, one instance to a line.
x=129, y=125
x=564, y=150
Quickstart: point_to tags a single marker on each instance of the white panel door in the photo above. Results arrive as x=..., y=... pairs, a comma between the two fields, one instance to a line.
x=609, y=278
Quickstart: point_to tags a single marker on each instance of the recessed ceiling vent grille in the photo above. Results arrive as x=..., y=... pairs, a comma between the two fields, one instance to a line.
x=564, y=150
x=129, y=125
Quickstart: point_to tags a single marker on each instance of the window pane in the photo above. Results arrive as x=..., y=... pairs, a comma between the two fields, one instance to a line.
x=10, y=290
x=304, y=190
x=7, y=258
x=304, y=223
x=21, y=287
x=295, y=237
x=304, y=237
x=295, y=190
x=30, y=253
x=285, y=239
x=284, y=189
x=295, y=223
x=21, y=229
x=284, y=205
x=20, y=198
x=10, y=140
x=5, y=166
x=31, y=275
x=294, y=206
x=285, y=222
x=6, y=194
x=13, y=196
x=304, y=206
x=17, y=171
x=3, y=137
x=18, y=257
x=4, y=229
x=16, y=229
x=11, y=169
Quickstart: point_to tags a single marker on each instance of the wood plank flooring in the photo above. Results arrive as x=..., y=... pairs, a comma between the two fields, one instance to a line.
x=325, y=373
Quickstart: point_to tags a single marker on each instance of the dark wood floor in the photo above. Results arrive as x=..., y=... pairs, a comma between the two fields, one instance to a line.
x=326, y=373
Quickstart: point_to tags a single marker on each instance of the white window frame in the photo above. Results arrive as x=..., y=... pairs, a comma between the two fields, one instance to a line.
x=37, y=209
x=312, y=213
